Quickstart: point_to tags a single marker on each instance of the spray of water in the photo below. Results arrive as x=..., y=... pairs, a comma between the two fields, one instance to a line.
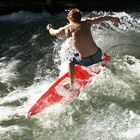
x=107, y=109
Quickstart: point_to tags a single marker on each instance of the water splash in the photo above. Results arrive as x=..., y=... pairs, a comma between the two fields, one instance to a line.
x=108, y=109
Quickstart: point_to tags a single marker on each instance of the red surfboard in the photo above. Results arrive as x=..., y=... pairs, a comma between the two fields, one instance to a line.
x=57, y=93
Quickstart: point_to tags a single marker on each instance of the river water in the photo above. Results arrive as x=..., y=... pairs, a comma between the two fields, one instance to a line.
x=31, y=60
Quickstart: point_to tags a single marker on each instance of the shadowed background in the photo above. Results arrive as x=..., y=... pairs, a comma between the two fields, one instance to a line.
x=7, y=6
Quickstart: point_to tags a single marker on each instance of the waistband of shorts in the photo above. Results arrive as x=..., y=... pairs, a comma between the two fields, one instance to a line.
x=99, y=50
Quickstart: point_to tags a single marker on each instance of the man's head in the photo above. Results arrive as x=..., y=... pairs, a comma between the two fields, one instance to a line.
x=74, y=15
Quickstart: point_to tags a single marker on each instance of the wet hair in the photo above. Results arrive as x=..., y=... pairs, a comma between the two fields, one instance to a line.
x=74, y=15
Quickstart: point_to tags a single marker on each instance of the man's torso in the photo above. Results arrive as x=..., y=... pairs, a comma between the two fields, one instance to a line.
x=81, y=37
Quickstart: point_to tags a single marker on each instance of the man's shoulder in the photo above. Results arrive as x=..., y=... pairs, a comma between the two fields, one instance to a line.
x=86, y=21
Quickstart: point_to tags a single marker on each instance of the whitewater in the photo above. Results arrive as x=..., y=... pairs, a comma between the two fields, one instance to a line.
x=31, y=60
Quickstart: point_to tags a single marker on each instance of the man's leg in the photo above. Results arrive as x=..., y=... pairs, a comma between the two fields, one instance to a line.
x=71, y=72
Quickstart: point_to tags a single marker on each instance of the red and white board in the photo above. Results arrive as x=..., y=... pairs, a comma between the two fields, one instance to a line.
x=57, y=93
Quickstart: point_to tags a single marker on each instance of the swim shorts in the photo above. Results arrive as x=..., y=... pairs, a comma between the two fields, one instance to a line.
x=87, y=61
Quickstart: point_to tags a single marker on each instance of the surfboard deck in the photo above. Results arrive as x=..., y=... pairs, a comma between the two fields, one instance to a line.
x=58, y=93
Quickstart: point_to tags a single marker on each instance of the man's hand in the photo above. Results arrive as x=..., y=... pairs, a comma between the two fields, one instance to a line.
x=115, y=21
x=48, y=27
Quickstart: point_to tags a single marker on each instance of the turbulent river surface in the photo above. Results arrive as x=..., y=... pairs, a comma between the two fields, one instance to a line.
x=31, y=60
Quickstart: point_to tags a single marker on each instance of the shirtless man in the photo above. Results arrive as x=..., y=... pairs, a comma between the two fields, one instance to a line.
x=80, y=35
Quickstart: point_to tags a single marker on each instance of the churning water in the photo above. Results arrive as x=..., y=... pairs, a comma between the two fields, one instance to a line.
x=31, y=60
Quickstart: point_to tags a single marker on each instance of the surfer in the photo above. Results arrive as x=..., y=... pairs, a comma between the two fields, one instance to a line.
x=79, y=32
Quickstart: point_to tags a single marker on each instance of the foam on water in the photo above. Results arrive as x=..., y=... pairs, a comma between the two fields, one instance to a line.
x=30, y=94
x=7, y=70
x=132, y=133
x=131, y=64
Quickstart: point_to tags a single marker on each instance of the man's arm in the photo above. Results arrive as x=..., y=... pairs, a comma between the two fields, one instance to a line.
x=55, y=32
x=115, y=20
